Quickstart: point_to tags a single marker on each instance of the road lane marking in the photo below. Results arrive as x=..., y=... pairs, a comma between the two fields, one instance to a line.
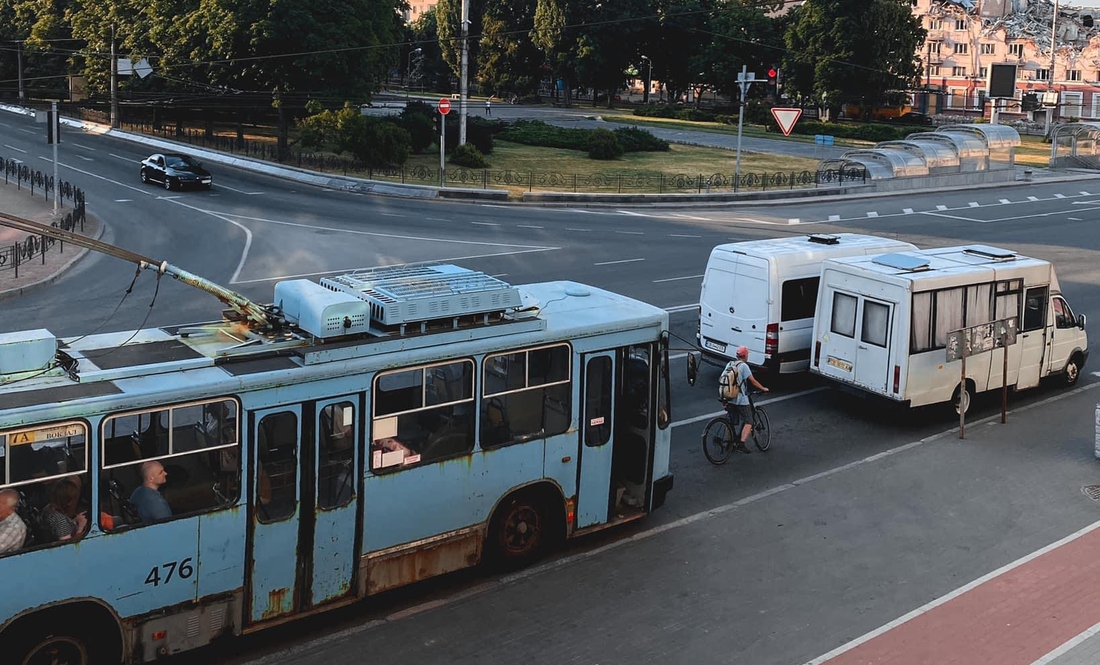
x=632, y=214
x=907, y=211
x=528, y=226
x=770, y=400
x=691, y=217
x=611, y=263
x=1074, y=219
x=123, y=200
x=834, y=218
x=941, y=207
x=25, y=131
x=1005, y=201
x=632, y=233
x=674, y=279
x=974, y=204
x=1085, y=194
x=681, y=308
x=958, y=217
x=682, y=235
x=794, y=220
x=15, y=149
x=390, y=214
x=581, y=230
x=475, y=223
x=234, y=189
x=1059, y=196
x=872, y=214
x=82, y=147
x=1033, y=198
x=437, y=219
x=87, y=159
x=167, y=198
x=125, y=159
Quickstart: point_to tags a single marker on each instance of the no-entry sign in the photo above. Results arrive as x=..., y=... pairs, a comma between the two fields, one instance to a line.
x=444, y=106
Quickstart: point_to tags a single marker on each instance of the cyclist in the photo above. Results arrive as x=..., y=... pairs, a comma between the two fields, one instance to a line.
x=741, y=402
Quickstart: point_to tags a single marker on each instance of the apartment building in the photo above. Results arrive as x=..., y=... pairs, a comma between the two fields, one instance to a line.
x=966, y=36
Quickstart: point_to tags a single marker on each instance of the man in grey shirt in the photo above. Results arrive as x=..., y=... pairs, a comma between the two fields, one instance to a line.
x=147, y=499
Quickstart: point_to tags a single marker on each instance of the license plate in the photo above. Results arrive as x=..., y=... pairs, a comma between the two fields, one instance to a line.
x=714, y=346
x=840, y=364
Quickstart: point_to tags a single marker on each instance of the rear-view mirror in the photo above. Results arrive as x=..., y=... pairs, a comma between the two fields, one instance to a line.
x=693, y=367
x=1081, y=321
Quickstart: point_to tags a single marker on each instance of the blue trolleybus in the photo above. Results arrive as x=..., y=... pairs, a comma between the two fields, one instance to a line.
x=163, y=488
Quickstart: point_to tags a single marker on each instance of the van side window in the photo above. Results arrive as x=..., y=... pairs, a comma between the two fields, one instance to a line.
x=1035, y=308
x=920, y=333
x=1063, y=315
x=844, y=315
x=948, y=314
x=799, y=299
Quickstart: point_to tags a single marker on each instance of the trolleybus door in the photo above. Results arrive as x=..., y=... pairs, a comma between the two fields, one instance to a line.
x=273, y=546
x=597, y=438
x=337, y=486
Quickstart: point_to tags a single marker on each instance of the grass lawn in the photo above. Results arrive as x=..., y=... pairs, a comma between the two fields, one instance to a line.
x=750, y=130
x=554, y=170
x=1032, y=151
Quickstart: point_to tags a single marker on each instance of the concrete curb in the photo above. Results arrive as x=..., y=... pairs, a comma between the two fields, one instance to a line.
x=26, y=289
x=343, y=183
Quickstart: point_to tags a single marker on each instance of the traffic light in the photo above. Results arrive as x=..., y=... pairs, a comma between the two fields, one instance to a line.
x=773, y=79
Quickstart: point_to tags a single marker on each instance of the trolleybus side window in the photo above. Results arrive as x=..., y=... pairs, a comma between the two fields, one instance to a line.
x=277, y=454
x=44, y=478
x=422, y=414
x=526, y=394
x=597, y=403
x=169, y=461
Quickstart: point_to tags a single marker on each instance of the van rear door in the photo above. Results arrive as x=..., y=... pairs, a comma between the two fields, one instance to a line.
x=749, y=307
x=715, y=304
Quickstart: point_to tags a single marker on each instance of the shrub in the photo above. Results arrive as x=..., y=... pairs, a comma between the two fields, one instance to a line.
x=421, y=130
x=538, y=133
x=758, y=114
x=479, y=133
x=657, y=111
x=633, y=139
x=603, y=144
x=378, y=142
x=469, y=156
x=854, y=130
x=695, y=115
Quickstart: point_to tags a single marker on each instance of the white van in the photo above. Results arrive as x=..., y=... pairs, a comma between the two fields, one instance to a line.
x=882, y=323
x=762, y=294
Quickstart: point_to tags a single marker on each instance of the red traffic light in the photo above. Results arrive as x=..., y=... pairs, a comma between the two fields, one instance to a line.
x=772, y=73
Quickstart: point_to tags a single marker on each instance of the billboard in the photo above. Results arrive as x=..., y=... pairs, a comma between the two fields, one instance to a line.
x=1001, y=81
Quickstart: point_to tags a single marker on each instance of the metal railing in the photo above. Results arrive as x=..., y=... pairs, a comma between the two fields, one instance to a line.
x=34, y=246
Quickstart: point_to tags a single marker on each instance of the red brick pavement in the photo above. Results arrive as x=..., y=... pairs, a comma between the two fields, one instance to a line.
x=1013, y=618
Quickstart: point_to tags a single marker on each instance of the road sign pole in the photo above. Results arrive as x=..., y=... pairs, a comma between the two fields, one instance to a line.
x=55, y=129
x=1004, y=377
x=442, y=146
x=962, y=406
x=740, y=123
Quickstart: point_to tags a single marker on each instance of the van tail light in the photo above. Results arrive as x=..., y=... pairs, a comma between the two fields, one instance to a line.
x=817, y=354
x=897, y=378
x=771, y=340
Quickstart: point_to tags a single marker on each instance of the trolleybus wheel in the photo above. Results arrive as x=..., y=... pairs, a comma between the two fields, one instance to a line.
x=53, y=649
x=519, y=530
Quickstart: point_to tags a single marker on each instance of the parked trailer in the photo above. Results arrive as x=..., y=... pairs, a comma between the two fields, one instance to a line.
x=762, y=294
x=882, y=323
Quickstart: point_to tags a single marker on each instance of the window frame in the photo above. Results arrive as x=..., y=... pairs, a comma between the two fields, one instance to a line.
x=988, y=49
x=997, y=289
x=885, y=329
x=58, y=423
x=961, y=48
x=483, y=395
x=832, y=315
x=785, y=309
x=1016, y=49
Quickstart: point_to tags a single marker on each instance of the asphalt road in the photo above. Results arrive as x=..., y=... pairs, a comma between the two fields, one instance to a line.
x=774, y=558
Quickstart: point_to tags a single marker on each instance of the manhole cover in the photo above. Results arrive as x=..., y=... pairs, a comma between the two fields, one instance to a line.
x=1092, y=492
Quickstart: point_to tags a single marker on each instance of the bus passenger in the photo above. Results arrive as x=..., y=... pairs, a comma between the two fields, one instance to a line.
x=147, y=499
x=13, y=532
x=60, y=518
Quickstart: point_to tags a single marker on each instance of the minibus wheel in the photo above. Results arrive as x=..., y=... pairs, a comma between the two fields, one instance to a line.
x=1073, y=370
x=963, y=397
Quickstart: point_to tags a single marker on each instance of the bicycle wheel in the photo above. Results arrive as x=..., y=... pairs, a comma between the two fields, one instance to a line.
x=761, y=430
x=718, y=441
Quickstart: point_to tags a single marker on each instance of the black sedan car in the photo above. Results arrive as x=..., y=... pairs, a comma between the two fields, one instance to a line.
x=175, y=171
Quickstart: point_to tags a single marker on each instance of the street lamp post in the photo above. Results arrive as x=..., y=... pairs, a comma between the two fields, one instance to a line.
x=408, y=72
x=1050, y=74
x=648, y=78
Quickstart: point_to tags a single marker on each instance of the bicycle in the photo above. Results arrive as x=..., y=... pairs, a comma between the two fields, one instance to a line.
x=723, y=433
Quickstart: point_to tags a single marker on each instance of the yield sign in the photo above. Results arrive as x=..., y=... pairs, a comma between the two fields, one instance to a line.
x=786, y=119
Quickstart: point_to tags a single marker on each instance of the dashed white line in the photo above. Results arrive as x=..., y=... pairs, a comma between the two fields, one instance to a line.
x=692, y=217
x=529, y=226
x=682, y=235
x=1074, y=219
x=437, y=219
x=675, y=279
x=15, y=149
x=907, y=211
x=580, y=230
x=610, y=263
x=87, y=159
x=632, y=214
x=1005, y=201
x=974, y=204
x=688, y=308
x=481, y=223
x=128, y=159
x=872, y=214
x=25, y=131
x=1059, y=196
x=941, y=207
x=239, y=191
x=167, y=198
x=1084, y=194
x=1033, y=198
x=834, y=218
x=82, y=147
x=794, y=220
x=4, y=124
x=123, y=200
x=631, y=233
x=390, y=214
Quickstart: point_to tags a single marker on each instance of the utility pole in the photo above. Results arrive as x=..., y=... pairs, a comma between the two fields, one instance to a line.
x=463, y=75
x=114, y=83
x=744, y=81
x=55, y=136
x=19, y=58
x=1050, y=74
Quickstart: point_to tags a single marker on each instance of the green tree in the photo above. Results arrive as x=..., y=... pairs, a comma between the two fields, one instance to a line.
x=742, y=32
x=609, y=36
x=508, y=61
x=558, y=46
x=449, y=21
x=429, y=68
x=833, y=57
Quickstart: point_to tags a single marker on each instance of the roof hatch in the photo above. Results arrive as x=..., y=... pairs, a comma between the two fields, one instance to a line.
x=824, y=239
x=899, y=261
x=995, y=253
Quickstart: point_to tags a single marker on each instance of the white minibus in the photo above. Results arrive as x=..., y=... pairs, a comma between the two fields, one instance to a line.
x=762, y=294
x=882, y=323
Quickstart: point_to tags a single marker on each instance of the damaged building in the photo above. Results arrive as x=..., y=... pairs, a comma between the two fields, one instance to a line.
x=966, y=36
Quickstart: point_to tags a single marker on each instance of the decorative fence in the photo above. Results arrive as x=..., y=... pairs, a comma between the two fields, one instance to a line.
x=34, y=246
x=529, y=180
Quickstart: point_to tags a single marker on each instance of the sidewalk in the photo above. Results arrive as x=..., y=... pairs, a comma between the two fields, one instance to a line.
x=58, y=259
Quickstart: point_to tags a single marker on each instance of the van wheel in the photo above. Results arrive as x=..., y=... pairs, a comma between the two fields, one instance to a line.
x=1073, y=371
x=962, y=398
